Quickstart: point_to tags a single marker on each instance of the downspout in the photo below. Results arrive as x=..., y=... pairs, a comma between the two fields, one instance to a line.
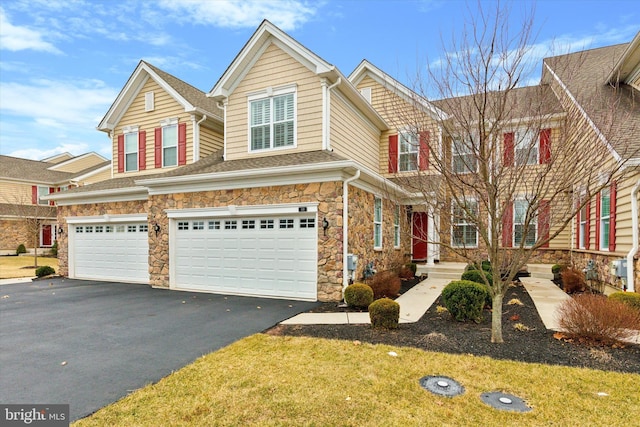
x=223, y=106
x=326, y=132
x=112, y=150
x=345, y=228
x=196, y=137
x=634, y=248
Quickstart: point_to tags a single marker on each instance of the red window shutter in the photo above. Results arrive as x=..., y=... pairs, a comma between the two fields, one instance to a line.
x=34, y=194
x=182, y=144
x=507, y=155
x=507, y=226
x=544, y=221
x=120, y=153
x=545, y=146
x=612, y=217
x=393, y=153
x=424, y=150
x=587, y=227
x=597, y=222
x=158, y=147
x=142, y=150
x=52, y=190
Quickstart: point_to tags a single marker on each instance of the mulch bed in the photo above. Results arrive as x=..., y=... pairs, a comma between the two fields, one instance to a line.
x=439, y=332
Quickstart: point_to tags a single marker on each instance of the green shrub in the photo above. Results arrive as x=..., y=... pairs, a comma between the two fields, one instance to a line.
x=477, y=276
x=21, y=249
x=557, y=268
x=385, y=284
x=358, y=295
x=54, y=249
x=484, y=265
x=45, y=270
x=384, y=313
x=630, y=298
x=465, y=300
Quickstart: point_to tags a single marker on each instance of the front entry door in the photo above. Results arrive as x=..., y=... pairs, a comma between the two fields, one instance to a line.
x=419, y=236
x=47, y=239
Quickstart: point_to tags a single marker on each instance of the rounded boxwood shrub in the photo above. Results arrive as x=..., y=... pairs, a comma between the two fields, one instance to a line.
x=21, y=249
x=45, y=270
x=630, y=298
x=484, y=265
x=465, y=300
x=358, y=295
x=384, y=313
x=557, y=268
x=477, y=276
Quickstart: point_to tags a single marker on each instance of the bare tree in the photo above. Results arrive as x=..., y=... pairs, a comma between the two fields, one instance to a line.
x=509, y=165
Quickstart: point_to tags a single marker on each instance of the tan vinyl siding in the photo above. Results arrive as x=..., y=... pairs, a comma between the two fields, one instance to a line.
x=100, y=176
x=352, y=135
x=210, y=141
x=15, y=193
x=624, y=229
x=166, y=107
x=78, y=165
x=276, y=68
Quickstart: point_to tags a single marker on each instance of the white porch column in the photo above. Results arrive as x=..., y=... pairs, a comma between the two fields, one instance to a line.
x=433, y=249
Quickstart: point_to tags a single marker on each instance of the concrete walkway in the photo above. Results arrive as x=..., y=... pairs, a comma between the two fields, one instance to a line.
x=546, y=297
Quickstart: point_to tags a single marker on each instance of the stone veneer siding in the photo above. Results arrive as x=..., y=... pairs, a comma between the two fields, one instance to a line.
x=93, y=209
x=603, y=265
x=13, y=234
x=328, y=195
x=361, y=204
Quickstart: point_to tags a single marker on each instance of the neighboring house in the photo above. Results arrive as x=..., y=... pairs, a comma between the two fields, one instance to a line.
x=263, y=186
x=23, y=183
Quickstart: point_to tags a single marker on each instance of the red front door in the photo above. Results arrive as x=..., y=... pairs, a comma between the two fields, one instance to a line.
x=419, y=236
x=46, y=235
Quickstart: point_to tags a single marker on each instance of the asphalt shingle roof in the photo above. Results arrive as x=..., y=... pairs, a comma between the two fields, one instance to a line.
x=37, y=171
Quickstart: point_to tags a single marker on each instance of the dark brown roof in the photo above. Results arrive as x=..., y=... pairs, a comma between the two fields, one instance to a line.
x=10, y=209
x=194, y=96
x=614, y=110
x=38, y=170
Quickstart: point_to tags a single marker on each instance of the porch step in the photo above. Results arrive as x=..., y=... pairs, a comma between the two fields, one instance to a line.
x=540, y=271
x=443, y=270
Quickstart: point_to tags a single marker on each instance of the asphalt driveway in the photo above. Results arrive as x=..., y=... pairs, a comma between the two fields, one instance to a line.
x=88, y=343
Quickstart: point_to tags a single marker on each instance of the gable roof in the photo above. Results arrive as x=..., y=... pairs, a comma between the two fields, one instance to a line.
x=191, y=98
x=584, y=78
x=267, y=34
x=39, y=171
x=367, y=69
x=627, y=69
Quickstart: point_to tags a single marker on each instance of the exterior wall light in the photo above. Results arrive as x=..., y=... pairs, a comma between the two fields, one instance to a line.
x=60, y=230
x=325, y=225
x=156, y=228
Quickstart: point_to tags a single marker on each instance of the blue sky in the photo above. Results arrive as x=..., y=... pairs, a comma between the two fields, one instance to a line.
x=63, y=62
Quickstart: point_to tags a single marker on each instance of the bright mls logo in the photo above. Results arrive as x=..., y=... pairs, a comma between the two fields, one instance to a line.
x=34, y=415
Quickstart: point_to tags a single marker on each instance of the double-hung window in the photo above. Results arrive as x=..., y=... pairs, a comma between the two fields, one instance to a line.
x=526, y=147
x=583, y=228
x=170, y=145
x=521, y=230
x=272, y=119
x=131, y=151
x=464, y=231
x=408, y=152
x=396, y=227
x=464, y=161
x=605, y=218
x=42, y=191
x=377, y=223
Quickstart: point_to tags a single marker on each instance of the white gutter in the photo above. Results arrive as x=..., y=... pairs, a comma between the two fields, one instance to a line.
x=196, y=137
x=223, y=106
x=345, y=228
x=326, y=110
x=634, y=228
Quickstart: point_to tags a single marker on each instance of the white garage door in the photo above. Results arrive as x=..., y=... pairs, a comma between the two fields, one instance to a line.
x=117, y=252
x=265, y=256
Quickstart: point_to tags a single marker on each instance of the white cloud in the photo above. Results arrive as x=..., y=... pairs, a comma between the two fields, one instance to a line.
x=39, y=154
x=16, y=38
x=286, y=14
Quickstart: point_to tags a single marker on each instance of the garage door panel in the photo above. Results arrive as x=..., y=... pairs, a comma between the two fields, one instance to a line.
x=271, y=256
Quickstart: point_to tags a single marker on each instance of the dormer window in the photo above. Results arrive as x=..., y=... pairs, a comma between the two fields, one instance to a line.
x=272, y=119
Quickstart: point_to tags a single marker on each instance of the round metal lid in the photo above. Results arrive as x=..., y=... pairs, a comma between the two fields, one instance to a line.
x=443, y=386
x=504, y=402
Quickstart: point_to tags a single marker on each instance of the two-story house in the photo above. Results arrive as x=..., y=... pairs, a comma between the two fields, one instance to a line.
x=25, y=218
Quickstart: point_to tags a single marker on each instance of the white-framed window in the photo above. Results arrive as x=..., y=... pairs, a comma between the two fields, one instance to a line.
x=272, y=119
x=286, y=223
x=407, y=151
x=520, y=230
x=583, y=227
x=464, y=232
x=42, y=191
x=214, y=225
x=131, y=228
x=307, y=223
x=526, y=147
x=231, y=224
x=377, y=223
x=170, y=145
x=183, y=225
x=143, y=228
x=197, y=225
x=248, y=224
x=396, y=227
x=605, y=218
x=464, y=161
x=266, y=224
x=131, y=151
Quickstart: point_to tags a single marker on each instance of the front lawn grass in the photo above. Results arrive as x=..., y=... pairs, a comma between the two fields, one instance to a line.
x=279, y=380
x=12, y=267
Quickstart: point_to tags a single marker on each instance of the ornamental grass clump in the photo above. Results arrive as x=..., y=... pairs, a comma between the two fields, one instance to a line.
x=598, y=318
x=384, y=313
x=573, y=280
x=630, y=298
x=358, y=295
x=465, y=300
x=385, y=284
